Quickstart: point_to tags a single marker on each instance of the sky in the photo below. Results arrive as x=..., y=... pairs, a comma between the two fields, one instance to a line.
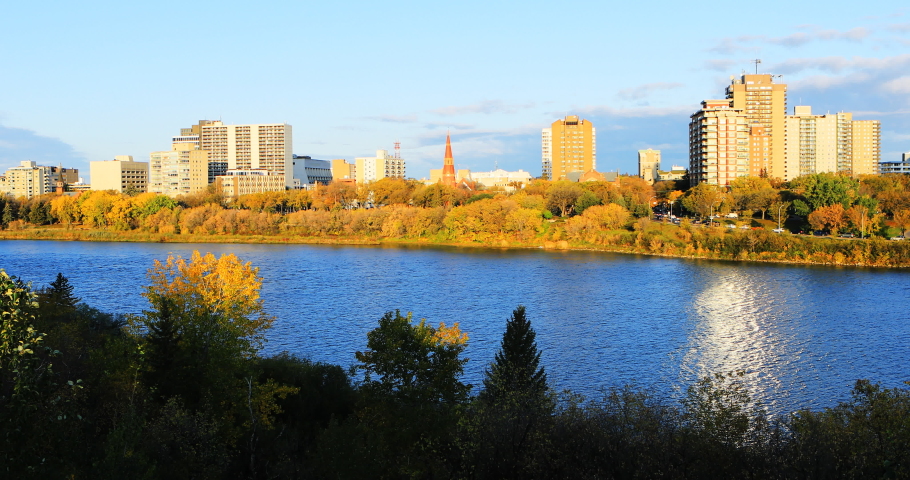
x=85, y=81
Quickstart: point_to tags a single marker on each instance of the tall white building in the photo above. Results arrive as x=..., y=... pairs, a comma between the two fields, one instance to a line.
x=247, y=147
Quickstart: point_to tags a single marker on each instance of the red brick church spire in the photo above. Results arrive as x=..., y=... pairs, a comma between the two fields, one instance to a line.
x=448, y=165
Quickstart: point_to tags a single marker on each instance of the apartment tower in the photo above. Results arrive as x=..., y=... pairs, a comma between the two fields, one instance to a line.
x=831, y=143
x=718, y=144
x=250, y=147
x=569, y=145
x=765, y=104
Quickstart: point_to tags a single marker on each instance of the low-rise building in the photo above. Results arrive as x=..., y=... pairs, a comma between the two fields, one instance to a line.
x=383, y=165
x=120, y=174
x=310, y=171
x=342, y=170
x=246, y=181
x=28, y=180
x=902, y=166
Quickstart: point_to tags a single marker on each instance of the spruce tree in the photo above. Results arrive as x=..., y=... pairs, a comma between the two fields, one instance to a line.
x=8, y=213
x=61, y=293
x=516, y=370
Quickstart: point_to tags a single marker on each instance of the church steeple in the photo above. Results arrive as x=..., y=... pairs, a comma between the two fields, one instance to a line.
x=448, y=166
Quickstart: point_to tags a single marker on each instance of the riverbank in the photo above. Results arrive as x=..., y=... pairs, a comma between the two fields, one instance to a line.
x=656, y=240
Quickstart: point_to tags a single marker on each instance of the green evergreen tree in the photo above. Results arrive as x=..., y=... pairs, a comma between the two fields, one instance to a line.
x=510, y=430
x=516, y=368
x=165, y=356
x=8, y=214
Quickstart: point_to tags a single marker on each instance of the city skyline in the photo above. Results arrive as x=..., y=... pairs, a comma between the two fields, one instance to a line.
x=92, y=83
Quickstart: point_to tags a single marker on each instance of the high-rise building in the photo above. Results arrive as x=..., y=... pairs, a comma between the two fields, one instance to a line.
x=648, y=165
x=246, y=147
x=867, y=153
x=718, y=144
x=569, y=145
x=759, y=151
x=180, y=171
x=119, y=174
x=764, y=103
x=831, y=143
x=383, y=165
x=448, y=165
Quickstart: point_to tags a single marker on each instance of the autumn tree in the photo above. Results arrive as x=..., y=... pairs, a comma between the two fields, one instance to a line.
x=902, y=220
x=562, y=195
x=411, y=391
x=829, y=218
x=704, y=199
x=211, y=311
x=753, y=194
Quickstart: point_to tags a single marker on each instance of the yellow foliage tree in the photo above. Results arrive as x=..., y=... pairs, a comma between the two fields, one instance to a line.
x=216, y=300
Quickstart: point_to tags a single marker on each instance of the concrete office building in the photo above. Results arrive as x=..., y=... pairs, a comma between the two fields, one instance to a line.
x=250, y=147
x=383, y=165
x=119, y=174
x=569, y=145
x=764, y=103
x=718, y=144
x=648, y=165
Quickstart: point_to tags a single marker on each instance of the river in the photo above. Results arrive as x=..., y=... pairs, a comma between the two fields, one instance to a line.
x=802, y=334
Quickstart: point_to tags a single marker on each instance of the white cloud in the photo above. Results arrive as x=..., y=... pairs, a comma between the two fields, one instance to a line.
x=643, y=91
x=395, y=118
x=485, y=107
x=730, y=45
x=824, y=82
x=899, y=85
x=721, y=65
x=638, y=112
x=839, y=64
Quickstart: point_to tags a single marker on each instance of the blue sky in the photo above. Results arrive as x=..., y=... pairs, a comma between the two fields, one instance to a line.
x=89, y=80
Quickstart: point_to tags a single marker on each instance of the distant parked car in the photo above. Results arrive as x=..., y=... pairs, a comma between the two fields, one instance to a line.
x=730, y=225
x=744, y=227
x=901, y=237
x=847, y=235
x=778, y=230
x=732, y=215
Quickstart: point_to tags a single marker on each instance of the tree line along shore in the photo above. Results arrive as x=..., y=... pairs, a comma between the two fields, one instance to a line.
x=754, y=219
x=183, y=391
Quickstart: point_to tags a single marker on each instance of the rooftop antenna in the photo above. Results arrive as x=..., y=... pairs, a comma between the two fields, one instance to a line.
x=397, y=149
x=756, y=62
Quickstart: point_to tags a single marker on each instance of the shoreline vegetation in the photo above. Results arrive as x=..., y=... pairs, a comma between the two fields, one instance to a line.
x=183, y=391
x=754, y=219
x=710, y=243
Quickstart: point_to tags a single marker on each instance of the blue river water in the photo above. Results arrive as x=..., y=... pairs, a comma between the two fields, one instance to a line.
x=803, y=335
